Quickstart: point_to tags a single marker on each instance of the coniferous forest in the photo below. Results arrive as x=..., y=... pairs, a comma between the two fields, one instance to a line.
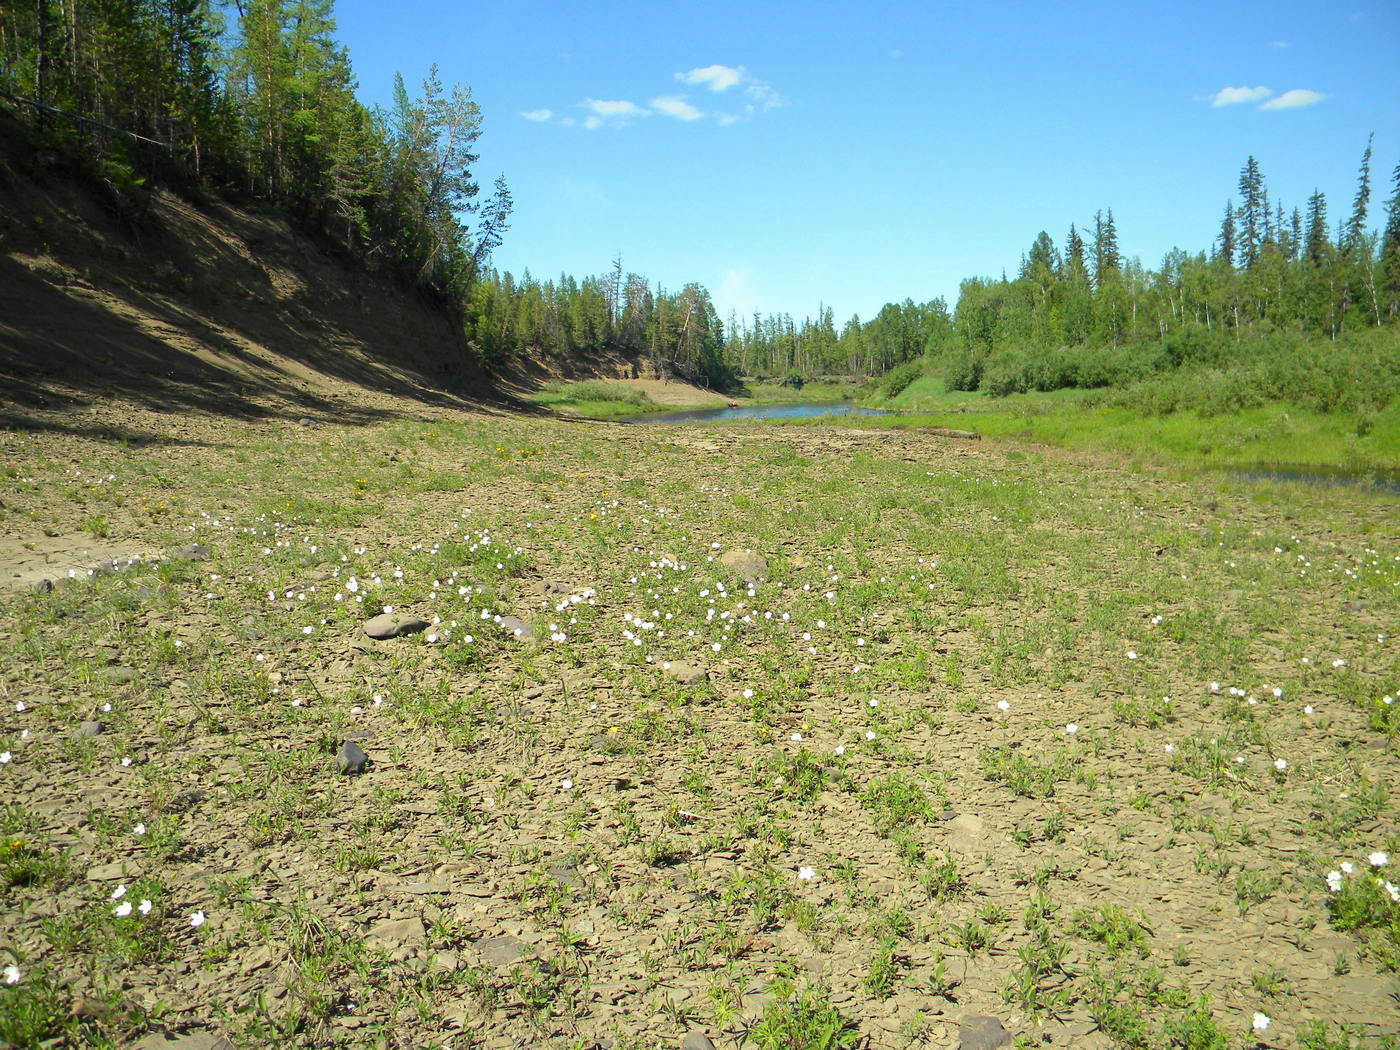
x=256, y=101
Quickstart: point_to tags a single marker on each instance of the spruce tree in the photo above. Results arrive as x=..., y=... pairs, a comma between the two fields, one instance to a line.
x=1390, y=250
x=1316, y=244
x=1225, y=243
x=1106, y=260
x=1253, y=215
x=1355, y=232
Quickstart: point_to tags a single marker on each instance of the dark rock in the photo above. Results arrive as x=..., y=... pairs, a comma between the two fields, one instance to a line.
x=391, y=625
x=189, y=552
x=746, y=565
x=88, y=729
x=979, y=1032
x=350, y=759
x=44, y=586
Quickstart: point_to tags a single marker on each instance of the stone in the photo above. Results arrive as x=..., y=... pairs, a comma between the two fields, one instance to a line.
x=518, y=628
x=697, y=1041
x=398, y=932
x=118, y=869
x=90, y=729
x=980, y=1032
x=686, y=673
x=391, y=625
x=503, y=950
x=351, y=759
x=746, y=565
x=199, y=1040
x=189, y=552
x=119, y=675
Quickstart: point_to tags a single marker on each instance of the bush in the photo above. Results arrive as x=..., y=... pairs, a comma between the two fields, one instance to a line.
x=894, y=382
x=964, y=370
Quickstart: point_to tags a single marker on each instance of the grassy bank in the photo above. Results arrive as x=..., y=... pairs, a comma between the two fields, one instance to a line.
x=1102, y=754
x=763, y=392
x=1274, y=434
x=595, y=399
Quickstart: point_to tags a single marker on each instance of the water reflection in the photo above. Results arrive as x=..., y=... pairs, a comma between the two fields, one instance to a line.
x=792, y=410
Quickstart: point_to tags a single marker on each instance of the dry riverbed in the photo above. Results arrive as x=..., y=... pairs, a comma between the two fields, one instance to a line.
x=742, y=735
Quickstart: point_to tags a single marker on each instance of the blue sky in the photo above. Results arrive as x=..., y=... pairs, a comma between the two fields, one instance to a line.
x=789, y=155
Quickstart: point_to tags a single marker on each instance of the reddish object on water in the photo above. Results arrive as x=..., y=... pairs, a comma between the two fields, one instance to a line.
x=733, y=404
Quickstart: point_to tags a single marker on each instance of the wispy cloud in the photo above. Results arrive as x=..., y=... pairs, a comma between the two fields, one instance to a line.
x=1279, y=43
x=538, y=115
x=716, y=77
x=1295, y=99
x=734, y=293
x=676, y=106
x=611, y=112
x=1232, y=96
x=584, y=192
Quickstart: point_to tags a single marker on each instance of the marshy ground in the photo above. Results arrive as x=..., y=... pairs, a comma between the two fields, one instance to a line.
x=996, y=731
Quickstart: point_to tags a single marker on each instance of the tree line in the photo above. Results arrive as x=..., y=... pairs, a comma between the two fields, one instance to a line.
x=255, y=100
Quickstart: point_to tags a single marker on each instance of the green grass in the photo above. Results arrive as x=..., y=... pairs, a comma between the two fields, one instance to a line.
x=595, y=399
x=765, y=392
x=1275, y=435
x=845, y=776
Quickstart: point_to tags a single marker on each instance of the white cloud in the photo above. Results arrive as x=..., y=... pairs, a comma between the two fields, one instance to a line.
x=538, y=115
x=1295, y=98
x=614, y=112
x=1230, y=96
x=716, y=77
x=676, y=106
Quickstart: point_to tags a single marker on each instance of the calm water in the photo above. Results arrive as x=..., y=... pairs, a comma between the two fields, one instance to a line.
x=794, y=410
x=1389, y=480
